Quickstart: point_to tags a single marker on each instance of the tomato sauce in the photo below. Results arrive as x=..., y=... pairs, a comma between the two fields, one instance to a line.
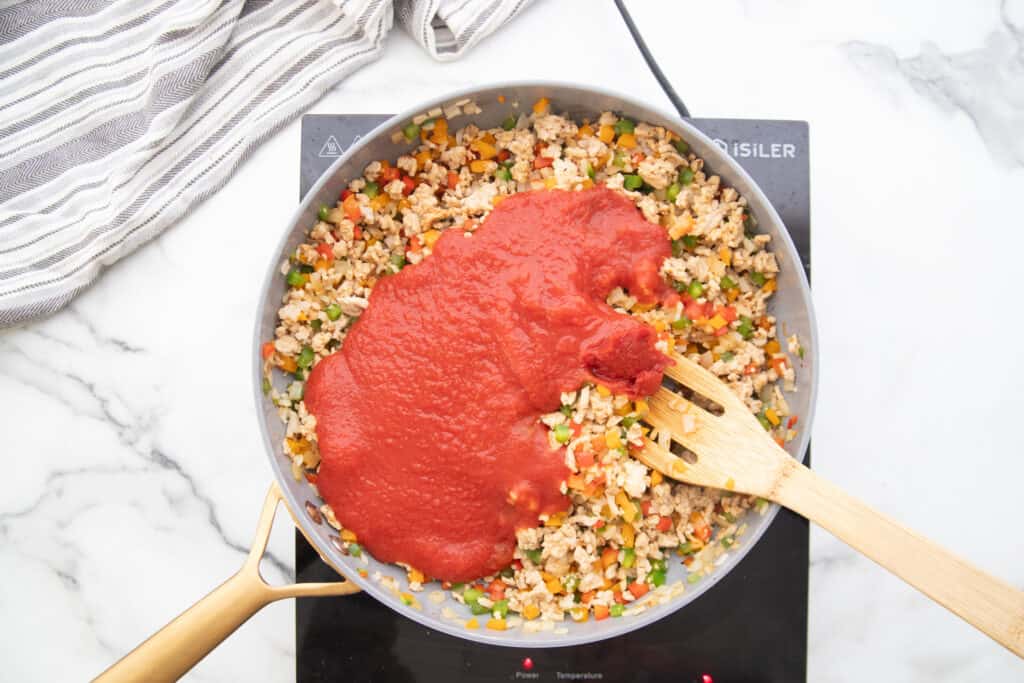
x=427, y=416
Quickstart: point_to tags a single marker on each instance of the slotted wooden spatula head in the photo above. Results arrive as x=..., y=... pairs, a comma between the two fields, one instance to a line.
x=732, y=449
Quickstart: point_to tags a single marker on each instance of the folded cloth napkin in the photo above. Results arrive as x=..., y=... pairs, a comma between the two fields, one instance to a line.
x=117, y=117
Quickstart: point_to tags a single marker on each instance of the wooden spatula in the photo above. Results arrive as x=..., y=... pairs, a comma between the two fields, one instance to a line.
x=734, y=452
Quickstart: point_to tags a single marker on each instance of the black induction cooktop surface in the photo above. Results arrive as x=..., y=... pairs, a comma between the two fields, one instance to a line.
x=751, y=627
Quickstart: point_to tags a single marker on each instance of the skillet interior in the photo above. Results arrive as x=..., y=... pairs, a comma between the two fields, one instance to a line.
x=791, y=305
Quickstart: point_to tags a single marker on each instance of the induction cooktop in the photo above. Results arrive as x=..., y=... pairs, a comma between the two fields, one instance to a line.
x=751, y=627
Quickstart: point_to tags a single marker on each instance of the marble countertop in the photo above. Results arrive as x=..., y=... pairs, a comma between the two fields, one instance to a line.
x=134, y=474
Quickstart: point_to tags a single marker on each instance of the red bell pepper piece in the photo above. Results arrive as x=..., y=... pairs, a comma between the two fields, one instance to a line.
x=694, y=310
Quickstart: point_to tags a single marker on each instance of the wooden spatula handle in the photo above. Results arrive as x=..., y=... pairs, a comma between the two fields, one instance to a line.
x=989, y=604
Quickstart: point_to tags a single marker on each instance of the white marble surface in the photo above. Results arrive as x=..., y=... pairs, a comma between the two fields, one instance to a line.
x=133, y=471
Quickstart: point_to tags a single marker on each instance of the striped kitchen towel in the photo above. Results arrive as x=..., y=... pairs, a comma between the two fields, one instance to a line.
x=116, y=117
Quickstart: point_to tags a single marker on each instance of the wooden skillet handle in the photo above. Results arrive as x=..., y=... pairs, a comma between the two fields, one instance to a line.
x=177, y=647
x=987, y=603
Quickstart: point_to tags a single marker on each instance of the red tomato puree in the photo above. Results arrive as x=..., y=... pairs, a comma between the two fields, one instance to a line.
x=427, y=416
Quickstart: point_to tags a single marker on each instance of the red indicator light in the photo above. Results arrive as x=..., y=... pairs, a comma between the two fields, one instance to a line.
x=706, y=678
x=527, y=664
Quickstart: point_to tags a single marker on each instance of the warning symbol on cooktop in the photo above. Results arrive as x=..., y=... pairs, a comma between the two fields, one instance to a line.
x=331, y=148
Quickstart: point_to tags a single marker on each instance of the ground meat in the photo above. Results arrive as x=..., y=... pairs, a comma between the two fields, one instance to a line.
x=658, y=173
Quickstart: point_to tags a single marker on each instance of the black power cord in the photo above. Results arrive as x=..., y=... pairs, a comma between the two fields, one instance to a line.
x=651, y=63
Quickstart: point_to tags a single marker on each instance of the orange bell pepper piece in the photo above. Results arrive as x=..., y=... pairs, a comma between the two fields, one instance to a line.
x=638, y=590
x=351, y=207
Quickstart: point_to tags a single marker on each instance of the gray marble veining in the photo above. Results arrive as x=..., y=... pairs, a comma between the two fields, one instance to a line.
x=986, y=84
x=133, y=469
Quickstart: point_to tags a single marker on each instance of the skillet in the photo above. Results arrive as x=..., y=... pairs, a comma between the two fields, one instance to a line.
x=186, y=640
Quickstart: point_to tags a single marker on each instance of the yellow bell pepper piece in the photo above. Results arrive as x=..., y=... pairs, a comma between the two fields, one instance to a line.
x=472, y=624
x=479, y=166
x=629, y=510
x=641, y=407
x=772, y=346
x=416, y=576
x=541, y=106
x=484, y=149
x=421, y=160
x=586, y=131
x=430, y=238
x=612, y=438
x=496, y=624
x=628, y=535
x=769, y=286
x=439, y=133
x=606, y=134
x=656, y=478
x=627, y=141
x=725, y=253
x=349, y=536
x=531, y=612
x=772, y=416
x=556, y=519
x=604, y=391
x=550, y=182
